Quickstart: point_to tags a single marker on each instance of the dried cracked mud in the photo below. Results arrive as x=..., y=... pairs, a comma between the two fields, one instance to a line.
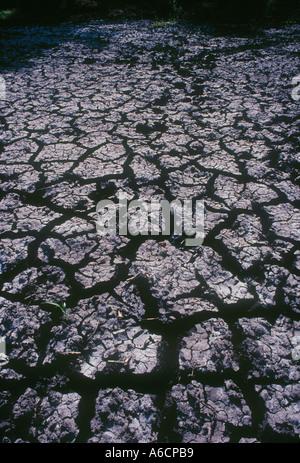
x=161, y=342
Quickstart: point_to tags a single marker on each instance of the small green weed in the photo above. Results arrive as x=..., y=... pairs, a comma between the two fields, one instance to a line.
x=62, y=306
x=163, y=23
x=5, y=14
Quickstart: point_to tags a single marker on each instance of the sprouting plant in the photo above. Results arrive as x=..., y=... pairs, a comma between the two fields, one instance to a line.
x=5, y=14
x=62, y=306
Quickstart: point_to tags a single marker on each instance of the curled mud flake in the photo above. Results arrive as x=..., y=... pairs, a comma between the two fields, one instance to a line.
x=13, y=252
x=59, y=152
x=208, y=414
x=267, y=348
x=20, y=151
x=268, y=284
x=282, y=409
x=132, y=417
x=33, y=218
x=96, y=272
x=208, y=348
x=70, y=195
x=21, y=325
x=185, y=307
x=168, y=270
x=291, y=292
x=34, y=285
x=74, y=226
x=47, y=420
x=285, y=221
x=21, y=177
x=227, y=287
x=190, y=183
x=123, y=350
x=246, y=241
x=232, y=192
x=72, y=250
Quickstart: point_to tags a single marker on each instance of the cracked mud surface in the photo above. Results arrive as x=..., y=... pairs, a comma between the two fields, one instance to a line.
x=162, y=342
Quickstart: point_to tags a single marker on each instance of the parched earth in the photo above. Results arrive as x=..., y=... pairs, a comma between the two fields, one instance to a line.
x=160, y=342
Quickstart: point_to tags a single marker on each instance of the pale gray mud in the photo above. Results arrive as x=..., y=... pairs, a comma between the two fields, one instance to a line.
x=162, y=342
